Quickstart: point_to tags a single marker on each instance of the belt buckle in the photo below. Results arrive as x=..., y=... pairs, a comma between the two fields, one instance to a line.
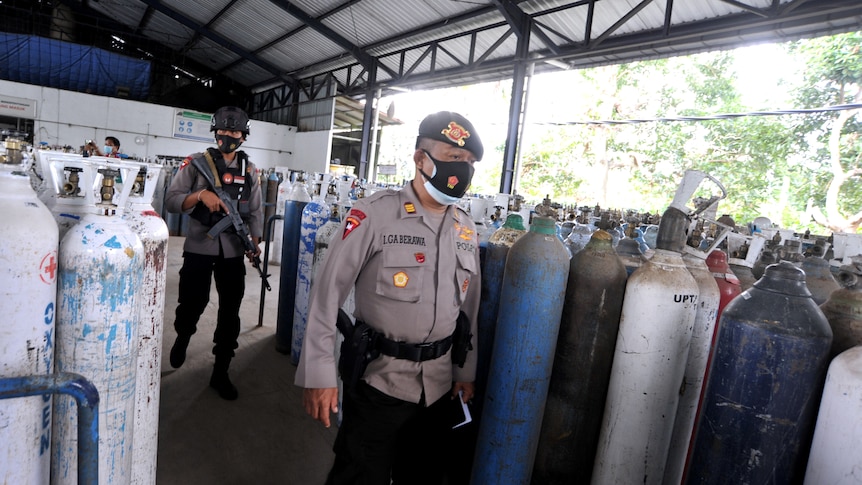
x=426, y=351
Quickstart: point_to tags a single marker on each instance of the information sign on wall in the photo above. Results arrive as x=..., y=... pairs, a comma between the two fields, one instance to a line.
x=387, y=169
x=192, y=125
x=17, y=107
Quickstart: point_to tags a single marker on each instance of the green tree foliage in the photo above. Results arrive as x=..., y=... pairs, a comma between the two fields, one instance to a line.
x=830, y=141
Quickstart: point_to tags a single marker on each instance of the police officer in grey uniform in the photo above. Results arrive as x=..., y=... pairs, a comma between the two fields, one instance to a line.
x=221, y=255
x=413, y=257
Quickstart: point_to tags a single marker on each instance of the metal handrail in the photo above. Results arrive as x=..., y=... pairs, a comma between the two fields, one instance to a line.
x=87, y=397
x=268, y=237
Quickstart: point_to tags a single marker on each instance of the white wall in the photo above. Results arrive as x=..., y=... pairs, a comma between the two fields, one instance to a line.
x=312, y=151
x=69, y=118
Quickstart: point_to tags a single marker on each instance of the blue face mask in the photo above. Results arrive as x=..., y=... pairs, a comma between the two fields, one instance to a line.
x=449, y=180
x=107, y=149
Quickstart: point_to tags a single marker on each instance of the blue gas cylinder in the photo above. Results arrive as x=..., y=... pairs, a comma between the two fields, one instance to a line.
x=314, y=215
x=499, y=244
x=297, y=200
x=582, y=364
x=765, y=380
x=531, y=304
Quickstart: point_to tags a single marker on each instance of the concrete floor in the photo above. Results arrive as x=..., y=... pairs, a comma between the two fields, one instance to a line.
x=264, y=437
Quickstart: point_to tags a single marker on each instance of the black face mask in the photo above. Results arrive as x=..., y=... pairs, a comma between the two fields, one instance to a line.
x=227, y=144
x=450, y=180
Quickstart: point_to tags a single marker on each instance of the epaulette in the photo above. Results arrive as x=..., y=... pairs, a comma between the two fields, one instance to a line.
x=380, y=194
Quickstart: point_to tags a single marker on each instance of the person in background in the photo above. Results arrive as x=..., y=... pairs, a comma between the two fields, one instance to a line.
x=413, y=257
x=110, y=149
x=218, y=255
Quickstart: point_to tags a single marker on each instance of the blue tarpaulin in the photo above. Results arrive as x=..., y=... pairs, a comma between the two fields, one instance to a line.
x=73, y=67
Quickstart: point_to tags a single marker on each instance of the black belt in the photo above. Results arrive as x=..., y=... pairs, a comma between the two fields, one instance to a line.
x=414, y=352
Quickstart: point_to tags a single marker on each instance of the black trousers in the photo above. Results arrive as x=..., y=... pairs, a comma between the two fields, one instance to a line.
x=196, y=276
x=382, y=438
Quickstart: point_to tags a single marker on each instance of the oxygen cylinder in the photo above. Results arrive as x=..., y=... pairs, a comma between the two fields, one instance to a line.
x=578, y=238
x=531, y=303
x=818, y=278
x=324, y=237
x=28, y=265
x=834, y=454
x=767, y=257
x=314, y=215
x=172, y=219
x=478, y=208
x=499, y=244
x=101, y=269
x=742, y=253
x=582, y=364
x=282, y=196
x=843, y=309
x=70, y=180
x=767, y=371
x=153, y=233
x=293, y=208
x=630, y=254
x=702, y=334
x=659, y=309
x=728, y=284
x=271, y=195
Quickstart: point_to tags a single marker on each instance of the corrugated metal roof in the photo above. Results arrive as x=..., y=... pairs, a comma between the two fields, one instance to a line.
x=425, y=43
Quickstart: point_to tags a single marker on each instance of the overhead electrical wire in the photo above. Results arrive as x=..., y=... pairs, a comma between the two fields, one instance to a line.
x=725, y=116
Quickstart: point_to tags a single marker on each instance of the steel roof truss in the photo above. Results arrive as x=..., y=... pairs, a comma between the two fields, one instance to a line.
x=197, y=35
x=619, y=23
x=521, y=22
x=217, y=38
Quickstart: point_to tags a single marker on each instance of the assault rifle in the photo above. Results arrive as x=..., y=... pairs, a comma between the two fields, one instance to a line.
x=232, y=218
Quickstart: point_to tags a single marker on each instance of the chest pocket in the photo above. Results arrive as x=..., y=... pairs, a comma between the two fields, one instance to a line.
x=464, y=273
x=401, y=275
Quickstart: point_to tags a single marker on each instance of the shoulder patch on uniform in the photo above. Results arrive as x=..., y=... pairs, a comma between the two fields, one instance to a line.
x=186, y=162
x=351, y=224
x=357, y=213
x=409, y=207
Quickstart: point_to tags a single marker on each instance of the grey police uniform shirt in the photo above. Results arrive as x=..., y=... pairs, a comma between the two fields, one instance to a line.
x=412, y=277
x=187, y=181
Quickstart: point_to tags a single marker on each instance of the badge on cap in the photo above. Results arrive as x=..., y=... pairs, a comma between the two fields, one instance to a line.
x=456, y=133
x=400, y=279
x=409, y=207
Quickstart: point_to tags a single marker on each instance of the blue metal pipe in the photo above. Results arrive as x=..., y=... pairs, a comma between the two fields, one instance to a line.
x=87, y=397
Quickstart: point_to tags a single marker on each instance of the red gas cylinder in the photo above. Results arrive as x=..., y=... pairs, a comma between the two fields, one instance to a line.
x=728, y=283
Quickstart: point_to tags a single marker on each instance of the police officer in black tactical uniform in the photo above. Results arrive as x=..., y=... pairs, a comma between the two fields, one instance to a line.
x=212, y=247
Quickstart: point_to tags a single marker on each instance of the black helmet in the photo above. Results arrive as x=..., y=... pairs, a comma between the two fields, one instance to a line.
x=230, y=118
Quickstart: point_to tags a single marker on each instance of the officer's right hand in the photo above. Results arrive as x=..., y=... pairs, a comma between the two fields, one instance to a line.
x=319, y=403
x=213, y=202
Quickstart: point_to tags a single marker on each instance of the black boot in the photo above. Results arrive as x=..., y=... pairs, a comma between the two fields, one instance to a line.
x=178, y=351
x=220, y=380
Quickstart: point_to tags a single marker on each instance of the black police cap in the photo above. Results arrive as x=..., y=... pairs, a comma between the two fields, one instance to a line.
x=452, y=128
x=230, y=118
